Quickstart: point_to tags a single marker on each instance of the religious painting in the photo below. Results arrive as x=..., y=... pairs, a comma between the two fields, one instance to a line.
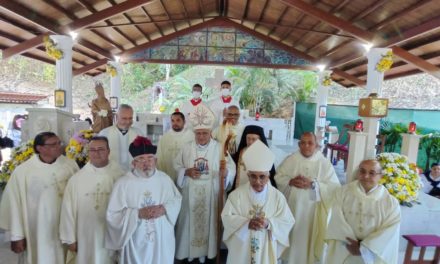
x=322, y=111
x=221, y=39
x=251, y=56
x=193, y=39
x=141, y=55
x=60, y=98
x=202, y=165
x=279, y=57
x=192, y=53
x=248, y=41
x=221, y=54
x=164, y=53
x=221, y=29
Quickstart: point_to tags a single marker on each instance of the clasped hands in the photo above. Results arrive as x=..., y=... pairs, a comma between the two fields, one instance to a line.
x=194, y=173
x=354, y=246
x=301, y=182
x=18, y=246
x=152, y=212
x=258, y=223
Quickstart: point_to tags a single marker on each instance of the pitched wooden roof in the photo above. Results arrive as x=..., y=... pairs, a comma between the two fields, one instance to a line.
x=20, y=98
x=321, y=31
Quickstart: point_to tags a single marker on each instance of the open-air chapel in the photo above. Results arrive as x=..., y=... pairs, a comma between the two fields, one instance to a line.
x=360, y=77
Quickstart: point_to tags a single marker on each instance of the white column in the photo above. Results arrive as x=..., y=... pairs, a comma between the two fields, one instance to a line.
x=410, y=146
x=64, y=68
x=355, y=153
x=374, y=85
x=115, y=82
x=321, y=100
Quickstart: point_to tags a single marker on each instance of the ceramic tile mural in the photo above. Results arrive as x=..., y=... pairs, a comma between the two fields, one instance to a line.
x=220, y=44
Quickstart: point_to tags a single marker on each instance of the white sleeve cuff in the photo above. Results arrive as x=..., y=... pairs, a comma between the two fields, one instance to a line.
x=181, y=177
x=16, y=238
x=67, y=242
x=367, y=255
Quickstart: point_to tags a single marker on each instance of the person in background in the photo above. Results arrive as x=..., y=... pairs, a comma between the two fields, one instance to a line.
x=121, y=135
x=250, y=134
x=220, y=104
x=431, y=180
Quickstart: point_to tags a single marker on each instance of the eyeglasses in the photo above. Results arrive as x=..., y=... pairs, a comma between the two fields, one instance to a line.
x=370, y=173
x=58, y=143
x=98, y=150
x=233, y=115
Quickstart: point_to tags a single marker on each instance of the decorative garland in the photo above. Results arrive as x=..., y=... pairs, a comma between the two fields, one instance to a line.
x=51, y=49
x=385, y=63
x=327, y=81
x=110, y=69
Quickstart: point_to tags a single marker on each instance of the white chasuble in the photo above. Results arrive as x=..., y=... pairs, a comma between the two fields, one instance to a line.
x=31, y=205
x=196, y=231
x=142, y=241
x=83, y=212
x=119, y=144
x=372, y=218
x=310, y=208
x=169, y=146
x=250, y=246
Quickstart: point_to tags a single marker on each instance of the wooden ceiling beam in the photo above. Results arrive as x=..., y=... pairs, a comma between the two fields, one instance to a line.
x=168, y=15
x=186, y=13
x=149, y=18
x=349, y=77
x=90, y=67
x=280, y=18
x=245, y=12
x=202, y=10
x=418, y=62
x=317, y=24
x=382, y=24
x=260, y=17
x=330, y=19
x=411, y=33
x=356, y=18
x=104, y=14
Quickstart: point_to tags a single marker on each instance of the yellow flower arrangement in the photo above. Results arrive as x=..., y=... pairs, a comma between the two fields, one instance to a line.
x=327, y=81
x=78, y=147
x=18, y=155
x=51, y=49
x=110, y=69
x=399, y=177
x=385, y=63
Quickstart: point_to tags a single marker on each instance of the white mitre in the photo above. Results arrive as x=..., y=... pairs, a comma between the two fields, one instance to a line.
x=258, y=157
x=202, y=117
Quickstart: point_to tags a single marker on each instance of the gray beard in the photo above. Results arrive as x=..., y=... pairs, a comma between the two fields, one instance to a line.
x=143, y=174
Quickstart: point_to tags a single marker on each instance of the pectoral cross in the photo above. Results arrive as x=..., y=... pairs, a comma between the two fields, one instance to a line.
x=257, y=211
x=98, y=195
x=58, y=184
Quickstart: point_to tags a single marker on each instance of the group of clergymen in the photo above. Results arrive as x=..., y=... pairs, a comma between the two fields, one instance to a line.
x=137, y=203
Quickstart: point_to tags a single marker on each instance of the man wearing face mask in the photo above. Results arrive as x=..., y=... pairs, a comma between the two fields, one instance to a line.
x=142, y=210
x=220, y=104
x=171, y=143
x=188, y=106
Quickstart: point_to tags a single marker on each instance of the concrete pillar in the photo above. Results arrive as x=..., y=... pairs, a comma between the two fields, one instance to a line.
x=355, y=153
x=64, y=68
x=410, y=146
x=321, y=105
x=115, y=82
x=374, y=85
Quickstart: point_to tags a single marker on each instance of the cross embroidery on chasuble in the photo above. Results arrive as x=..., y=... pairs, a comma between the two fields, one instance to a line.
x=58, y=184
x=360, y=214
x=99, y=196
x=150, y=230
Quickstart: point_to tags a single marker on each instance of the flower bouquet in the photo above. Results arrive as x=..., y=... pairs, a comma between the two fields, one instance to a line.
x=51, y=49
x=399, y=177
x=385, y=63
x=18, y=155
x=110, y=69
x=78, y=147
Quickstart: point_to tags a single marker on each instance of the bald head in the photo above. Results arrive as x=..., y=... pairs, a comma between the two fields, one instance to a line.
x=307, y=144
x=369, y=174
